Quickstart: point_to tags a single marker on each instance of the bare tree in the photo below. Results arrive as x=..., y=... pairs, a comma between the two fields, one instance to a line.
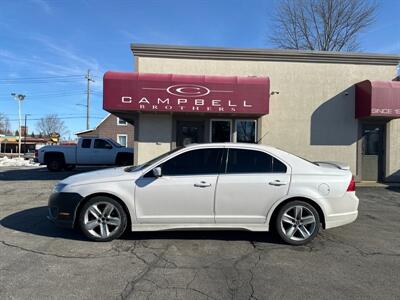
x=325, y=25
x=51, y=123
x=5, y=127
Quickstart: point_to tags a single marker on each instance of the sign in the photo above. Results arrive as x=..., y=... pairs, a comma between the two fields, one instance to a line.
x=378, y=99
x=185, y=93
x=54, y=137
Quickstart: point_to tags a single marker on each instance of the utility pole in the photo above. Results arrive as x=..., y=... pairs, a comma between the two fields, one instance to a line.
x=25, y=133
x=89, y=79
x=19, y=98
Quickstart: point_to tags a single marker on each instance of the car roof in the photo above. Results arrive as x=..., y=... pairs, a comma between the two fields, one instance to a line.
x=231, y=145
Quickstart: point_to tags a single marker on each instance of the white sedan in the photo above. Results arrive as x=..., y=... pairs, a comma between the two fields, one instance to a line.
x=210, y=186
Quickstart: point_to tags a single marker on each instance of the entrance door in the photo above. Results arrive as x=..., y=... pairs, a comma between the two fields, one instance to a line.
x=372, y=152
x=188, y=132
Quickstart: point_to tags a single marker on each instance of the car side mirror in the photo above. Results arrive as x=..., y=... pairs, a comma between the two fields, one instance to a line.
x=157, y=172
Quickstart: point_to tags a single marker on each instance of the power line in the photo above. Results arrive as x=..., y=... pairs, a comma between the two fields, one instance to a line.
x=42, y=77
x=62, y=118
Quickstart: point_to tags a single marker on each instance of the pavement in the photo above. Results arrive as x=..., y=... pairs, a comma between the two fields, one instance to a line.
x=41, y=261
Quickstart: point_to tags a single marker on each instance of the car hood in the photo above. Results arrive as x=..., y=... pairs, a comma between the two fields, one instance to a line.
x=105, y=175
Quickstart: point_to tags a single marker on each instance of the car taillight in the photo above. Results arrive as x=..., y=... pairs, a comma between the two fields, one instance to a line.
x=352, y=185
x=36, y=153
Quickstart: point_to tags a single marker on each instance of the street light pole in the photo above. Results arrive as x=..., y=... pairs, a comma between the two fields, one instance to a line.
x=19, y=98
x=89, y=79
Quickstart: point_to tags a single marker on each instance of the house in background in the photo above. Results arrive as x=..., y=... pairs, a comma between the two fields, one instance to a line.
x=112, y=127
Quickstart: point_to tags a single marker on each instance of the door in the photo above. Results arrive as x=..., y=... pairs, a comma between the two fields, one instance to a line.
x=221, y=131
x=101, y=153
x=84, y=152
x=185, y=191
x=372, y=152
x=189, y=133
x=252, y=182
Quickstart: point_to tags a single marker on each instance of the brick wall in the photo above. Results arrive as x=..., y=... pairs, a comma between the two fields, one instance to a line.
x=109, y=128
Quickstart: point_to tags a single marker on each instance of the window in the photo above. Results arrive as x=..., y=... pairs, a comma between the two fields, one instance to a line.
x=250, y=161
x=121, y=122
x=246, y=131
x=195, y=162
x=86, y=143
x=220, y=131
x=102, y=144
x=122, y=139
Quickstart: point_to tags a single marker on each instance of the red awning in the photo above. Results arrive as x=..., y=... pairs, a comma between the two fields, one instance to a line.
x=185, y=93
x=378, y=99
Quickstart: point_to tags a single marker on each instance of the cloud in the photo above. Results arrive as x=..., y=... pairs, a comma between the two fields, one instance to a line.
x=44, y=5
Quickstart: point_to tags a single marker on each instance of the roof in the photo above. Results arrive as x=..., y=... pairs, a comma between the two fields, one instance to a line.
x=93, y=129
x=196, y=52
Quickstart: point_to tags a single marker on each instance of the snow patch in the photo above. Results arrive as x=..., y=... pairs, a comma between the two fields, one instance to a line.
x=16, y=162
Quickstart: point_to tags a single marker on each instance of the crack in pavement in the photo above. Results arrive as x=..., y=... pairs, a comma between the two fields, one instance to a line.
x=57, y=255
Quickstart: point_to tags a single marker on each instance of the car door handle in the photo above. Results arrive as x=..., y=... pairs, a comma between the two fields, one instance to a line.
x=277, y=183
x=202, y=184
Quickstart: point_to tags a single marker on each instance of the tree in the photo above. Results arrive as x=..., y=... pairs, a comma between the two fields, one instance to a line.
x=5, y=126
x=325, y=25
x=49, y=124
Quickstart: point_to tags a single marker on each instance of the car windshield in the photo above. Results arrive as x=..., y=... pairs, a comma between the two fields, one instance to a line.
x=150, y=162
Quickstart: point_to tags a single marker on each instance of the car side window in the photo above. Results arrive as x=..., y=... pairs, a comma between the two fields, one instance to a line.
x=250, y=161
x=86, y=143
x=101, y=144
x=195, y=162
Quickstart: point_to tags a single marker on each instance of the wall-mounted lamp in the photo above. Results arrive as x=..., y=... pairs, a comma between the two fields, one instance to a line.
x=274, y=93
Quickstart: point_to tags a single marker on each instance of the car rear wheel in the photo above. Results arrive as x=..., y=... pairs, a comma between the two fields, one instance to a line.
x=297, y=223
x=102, y=219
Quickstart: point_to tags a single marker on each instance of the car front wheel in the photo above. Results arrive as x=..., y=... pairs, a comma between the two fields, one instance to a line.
x=297, y=223
x=102, y=219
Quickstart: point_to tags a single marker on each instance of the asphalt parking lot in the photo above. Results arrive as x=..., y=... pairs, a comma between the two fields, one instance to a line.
x=38, y=260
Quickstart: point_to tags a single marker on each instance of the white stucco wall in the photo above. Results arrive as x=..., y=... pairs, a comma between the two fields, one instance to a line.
x=313, y=114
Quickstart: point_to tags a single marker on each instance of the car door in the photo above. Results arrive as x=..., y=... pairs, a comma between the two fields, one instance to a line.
x=253, y=180
x=85, y=152
x=103, y=152
x=185, y=191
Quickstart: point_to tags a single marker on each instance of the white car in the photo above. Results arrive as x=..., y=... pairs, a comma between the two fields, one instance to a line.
x=209, y=186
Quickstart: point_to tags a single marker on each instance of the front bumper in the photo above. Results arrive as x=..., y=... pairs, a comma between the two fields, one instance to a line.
x=63, y=208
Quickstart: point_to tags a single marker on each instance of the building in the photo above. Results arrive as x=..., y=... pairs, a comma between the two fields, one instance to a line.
x=112, y=127
x=29, y=142
x=323, y=106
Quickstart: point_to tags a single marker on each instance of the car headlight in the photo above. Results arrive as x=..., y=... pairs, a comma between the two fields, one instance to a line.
x=58, y=187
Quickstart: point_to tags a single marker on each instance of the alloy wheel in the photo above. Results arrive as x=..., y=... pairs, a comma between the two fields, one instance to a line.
x=298, y=223
x=102, y=219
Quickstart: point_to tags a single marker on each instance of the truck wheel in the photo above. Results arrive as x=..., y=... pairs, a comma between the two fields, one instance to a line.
x=69, y=167
x=54, y=164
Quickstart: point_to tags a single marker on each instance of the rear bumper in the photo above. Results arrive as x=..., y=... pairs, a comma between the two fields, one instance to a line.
x=344, y=211
x=63, y=208
x=340, y=219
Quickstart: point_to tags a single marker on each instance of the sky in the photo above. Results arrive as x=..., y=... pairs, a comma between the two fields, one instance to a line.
x=47, y=46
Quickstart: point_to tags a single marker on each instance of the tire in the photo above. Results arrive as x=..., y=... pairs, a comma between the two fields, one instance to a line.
x=102, y=219
x=297, y=223
x=69, y=167
x=55, y=164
